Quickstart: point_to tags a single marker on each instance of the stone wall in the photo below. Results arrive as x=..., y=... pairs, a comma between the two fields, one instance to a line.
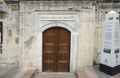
x=11, y=32
x=86, y=30
x=19, y=32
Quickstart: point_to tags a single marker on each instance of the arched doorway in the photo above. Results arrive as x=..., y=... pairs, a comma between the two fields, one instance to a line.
x=56, y=50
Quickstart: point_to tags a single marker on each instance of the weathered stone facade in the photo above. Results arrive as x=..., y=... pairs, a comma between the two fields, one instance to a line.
x=20, y=31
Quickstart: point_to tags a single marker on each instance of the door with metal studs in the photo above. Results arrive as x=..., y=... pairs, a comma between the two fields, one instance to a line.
x=56, y=50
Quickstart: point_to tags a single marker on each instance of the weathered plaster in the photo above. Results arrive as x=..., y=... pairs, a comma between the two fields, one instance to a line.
x=25, y=25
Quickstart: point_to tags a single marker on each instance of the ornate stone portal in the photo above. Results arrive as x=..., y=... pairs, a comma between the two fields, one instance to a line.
x=48, y=19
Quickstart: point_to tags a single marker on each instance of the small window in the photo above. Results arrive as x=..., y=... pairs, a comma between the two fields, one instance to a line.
x=117, y=18
x=15, y=7
x=1, y=32
x=1, y=36
x=110, y=18
x=0, y=48
x=116, y=50
x=107, y=50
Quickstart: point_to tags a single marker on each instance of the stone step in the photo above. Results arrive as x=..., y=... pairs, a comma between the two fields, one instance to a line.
x=86, y=73
x=55, y=75
x=25, y=73
x=29, y=73
x=4, y=69
x=10, y=73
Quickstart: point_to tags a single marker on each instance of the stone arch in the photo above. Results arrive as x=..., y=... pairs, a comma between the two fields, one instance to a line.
x=56, y=24
x=73, y=47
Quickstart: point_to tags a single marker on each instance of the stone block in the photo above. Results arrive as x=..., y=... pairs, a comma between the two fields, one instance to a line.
x=30, y=64
x=81, y=73
x=86, y=73
x=27, y=64
x=24, y=73
x=90, y=73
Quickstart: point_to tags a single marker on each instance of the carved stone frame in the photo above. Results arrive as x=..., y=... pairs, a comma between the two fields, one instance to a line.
x=72, y=26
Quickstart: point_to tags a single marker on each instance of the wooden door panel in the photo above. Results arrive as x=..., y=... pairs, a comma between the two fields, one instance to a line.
x=62, y=67
x=49, y=44
x=63, y=50
x=56, y=50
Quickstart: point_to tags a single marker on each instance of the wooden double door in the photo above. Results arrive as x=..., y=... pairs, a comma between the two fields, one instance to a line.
x=56, y=50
